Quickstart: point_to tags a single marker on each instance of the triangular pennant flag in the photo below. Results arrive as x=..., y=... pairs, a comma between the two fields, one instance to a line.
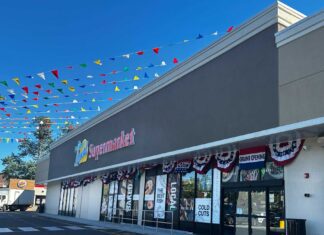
x=139, y=68
x=69, y=67
x=38, y=86
x=163, y=63
x=103, y=82
x=98, y=62
x=8, y=114
x=93, y=100
x=126, y=56
x=64, y=82
x=51, y=84
x=150, y=66
x=82, y=86
x=28, y=111
x=41, y=75
x=25, y=95
x=98, y=108
x=175, y=60
x=25, y=101
x=72, y=89
x=29, y=76
x=55, y=73
x=36, y=98
x=48, y=91
x=83, y=109
x=2, y=98
x=156, y=50
x=126, y=69
x=136, y=78
x=230, y=29
x=76, y=79
x=112, y=58
x=117, y=89
x=140, y=53
x=146, y=75
x=11, y=91
x=156, y=75
x=75, y=101
x=135, y=87
x=83, y=65
x=89, y=76
x=60, y=90
x=45, y=98
x=215, y=33
x=110, y=99
x=4, y=83
x=35, y=106
x=17, y=81
x=12, y=96
x=36, y=93
x=199, y=36
x=25, y=89
x=102, y=75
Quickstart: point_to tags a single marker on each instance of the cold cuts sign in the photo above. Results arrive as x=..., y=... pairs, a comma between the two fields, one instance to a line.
x=160, y=196
x=203, y=210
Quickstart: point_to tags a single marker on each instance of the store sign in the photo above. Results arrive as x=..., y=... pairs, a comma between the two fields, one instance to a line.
x=203, y=210
x=129, y=195
x=84, y=150
x=252, y=158
x=216, y=196
x=160, y=196
x=173, y=192
x=21, y=184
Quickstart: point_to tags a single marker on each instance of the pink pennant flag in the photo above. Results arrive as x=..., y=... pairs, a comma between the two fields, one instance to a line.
x=175, y=61
x=230, y=29
x=55, y=73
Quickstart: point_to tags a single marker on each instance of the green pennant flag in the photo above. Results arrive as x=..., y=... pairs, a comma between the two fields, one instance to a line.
x=126, y=69
x=45, y=98
x=4, y=83
x=60, y=90
x=51, y=84
x=45, y=105
x=83, y=65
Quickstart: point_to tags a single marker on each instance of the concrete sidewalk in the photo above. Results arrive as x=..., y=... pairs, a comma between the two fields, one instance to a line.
x=133, y=228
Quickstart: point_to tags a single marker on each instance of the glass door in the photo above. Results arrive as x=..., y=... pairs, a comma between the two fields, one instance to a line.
x=258, y=212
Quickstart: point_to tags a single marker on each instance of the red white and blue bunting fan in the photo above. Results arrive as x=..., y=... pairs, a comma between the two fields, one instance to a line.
x=105, y=179
x=121, y=174
x=112, y=176
x=75, y=183
x=168, y=167
x=88, y=180
x=284, y=153
x=252, y=158
x=130, y=173
x=201, y=163
x=226, y=161
x=183, y=166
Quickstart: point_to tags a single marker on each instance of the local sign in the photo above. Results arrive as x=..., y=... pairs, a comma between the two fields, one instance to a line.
x=85, y=151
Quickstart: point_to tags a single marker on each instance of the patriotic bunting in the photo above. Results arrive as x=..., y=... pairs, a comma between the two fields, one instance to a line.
x=201, y=163
x=284, y=153
x=226, y=161
x=168, y=167
x=183, y=166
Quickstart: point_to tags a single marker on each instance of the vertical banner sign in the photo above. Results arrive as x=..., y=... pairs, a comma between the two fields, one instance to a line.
x=173, y=190
x=216, y=196
x=149, y=193
x=115, y=197
x=203, y=210
x=110, y=200
x=129, y=196
x=160, y=196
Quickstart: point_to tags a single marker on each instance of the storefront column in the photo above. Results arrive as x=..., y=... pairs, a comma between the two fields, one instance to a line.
x=141, y=199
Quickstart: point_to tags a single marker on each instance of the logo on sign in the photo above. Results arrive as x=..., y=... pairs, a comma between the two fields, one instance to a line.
x=81, y=152
x=21, y=183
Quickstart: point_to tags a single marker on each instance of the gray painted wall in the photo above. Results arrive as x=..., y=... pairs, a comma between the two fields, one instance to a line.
x=234, y=94
x=42, y=170
x=301, y=78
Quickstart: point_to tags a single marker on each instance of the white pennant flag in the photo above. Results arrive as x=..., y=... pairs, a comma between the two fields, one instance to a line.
x=163, y=63
x=41, y=75
x=156, y=75
x=135, y=88
x=215, y=33
x=126, y=56
x=11, y=91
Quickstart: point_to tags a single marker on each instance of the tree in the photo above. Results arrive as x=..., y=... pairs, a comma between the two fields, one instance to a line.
x=68, y=127
x=23, y=164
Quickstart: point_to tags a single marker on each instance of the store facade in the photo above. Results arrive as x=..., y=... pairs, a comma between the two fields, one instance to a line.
x=204, y=148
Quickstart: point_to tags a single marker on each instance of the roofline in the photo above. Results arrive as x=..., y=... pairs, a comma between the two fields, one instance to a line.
x=300, y=29
x=276, y=13
x=219, y=143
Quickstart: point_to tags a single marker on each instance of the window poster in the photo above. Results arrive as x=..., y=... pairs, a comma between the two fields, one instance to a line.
x=160, y=196
x=203, y=210
x=187, y=206
x=149, y=193
x=121, y=196
x=129, y=195
x=216, y=196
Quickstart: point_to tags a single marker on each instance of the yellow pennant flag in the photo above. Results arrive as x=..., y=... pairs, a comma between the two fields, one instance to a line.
x=7, y=139
x=117, y=89
x=136, y=78
x=35, y=106
x=83, y=109
x=72, y=89
x=28, y=111
x=139, y=68
x=16, y=80
x=64, y=82
x=98, y=62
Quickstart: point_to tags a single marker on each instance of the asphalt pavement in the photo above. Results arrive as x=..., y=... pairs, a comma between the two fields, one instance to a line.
x=30, y=223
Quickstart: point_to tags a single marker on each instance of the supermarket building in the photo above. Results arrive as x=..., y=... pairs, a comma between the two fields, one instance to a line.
x=228, y=142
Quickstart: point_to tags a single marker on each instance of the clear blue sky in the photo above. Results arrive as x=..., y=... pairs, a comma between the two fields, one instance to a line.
x=38, y=35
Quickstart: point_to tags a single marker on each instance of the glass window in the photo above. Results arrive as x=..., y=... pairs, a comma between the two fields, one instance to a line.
x=121, y=196
x=231, y=176
x=272, y=172
x=204, y=185
x=249, y=175
x=187, y=197
x=104, y=201
x=136, y=195
x=203, y=198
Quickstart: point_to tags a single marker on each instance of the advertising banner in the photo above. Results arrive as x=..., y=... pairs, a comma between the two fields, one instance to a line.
x=216, y=196
x=203, y=210
x=129, y=196
x=252, y=158
x=160, y=196
x=149, y=193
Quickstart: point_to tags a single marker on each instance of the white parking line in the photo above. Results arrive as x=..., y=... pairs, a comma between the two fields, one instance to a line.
x=5, y=230
x=53, y=228
x=73, y=227
x=94, y=227
x=28, y=229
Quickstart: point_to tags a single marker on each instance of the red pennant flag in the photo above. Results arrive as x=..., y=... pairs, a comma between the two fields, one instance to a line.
x=24, y=100
x=55, y=73
x=104, y=82
x=175, y=61
x=110, y=98
x=49, y=91
x=36, y=93
x=156, y=50
x=3, y=109
x=25, y=89
x=140, y=53
x=230, y=29
x=114, y=72
x=8, y=114
x=38, y=86
x=56, y=105
x=36, y=98
x=102, y=75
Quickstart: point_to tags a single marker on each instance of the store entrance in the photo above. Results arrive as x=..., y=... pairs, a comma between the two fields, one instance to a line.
x=253, y=211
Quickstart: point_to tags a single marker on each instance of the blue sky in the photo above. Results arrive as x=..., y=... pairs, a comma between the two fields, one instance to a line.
x=38, y=35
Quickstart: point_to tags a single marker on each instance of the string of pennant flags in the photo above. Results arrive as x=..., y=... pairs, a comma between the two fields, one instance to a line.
x=30, y=100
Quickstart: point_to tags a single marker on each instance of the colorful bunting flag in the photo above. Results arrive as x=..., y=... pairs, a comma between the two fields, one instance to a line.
x=4, y=83
x=83, y=65
x=175, y=60
x=72, y=89
x=136, y=78
x=65, y=82
x=25, y=88
x=117, y=89
x=41, y=75
x=156, y=50
x=98, y=62
x=55, y=73
x=17, y=81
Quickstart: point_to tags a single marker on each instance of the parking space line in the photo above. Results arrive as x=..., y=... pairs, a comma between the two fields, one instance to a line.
x=28, y=229
x=5, y=230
